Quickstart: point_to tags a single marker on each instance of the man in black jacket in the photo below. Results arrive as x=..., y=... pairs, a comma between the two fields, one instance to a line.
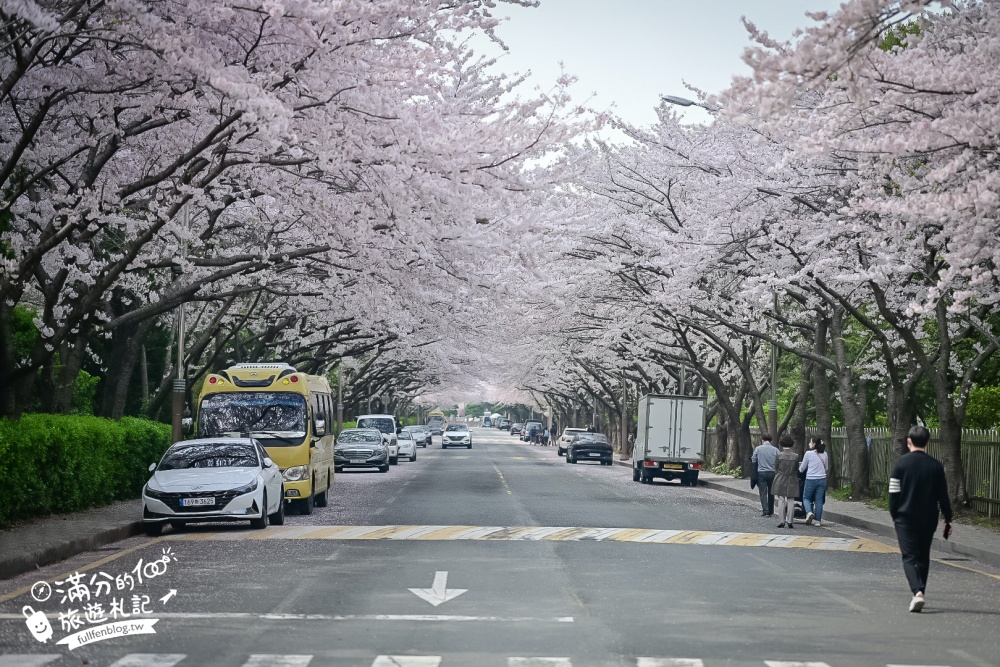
x=916, y=488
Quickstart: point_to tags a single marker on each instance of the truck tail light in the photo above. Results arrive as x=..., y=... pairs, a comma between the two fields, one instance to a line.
x=695, y=466
x=650, y=464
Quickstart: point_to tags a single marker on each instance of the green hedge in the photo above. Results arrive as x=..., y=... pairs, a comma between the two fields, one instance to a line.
x=65, y=463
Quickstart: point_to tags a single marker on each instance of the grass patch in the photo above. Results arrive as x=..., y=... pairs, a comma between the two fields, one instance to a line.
x=724, y=469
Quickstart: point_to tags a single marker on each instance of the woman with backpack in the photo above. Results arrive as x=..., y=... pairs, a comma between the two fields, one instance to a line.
x=816, y=465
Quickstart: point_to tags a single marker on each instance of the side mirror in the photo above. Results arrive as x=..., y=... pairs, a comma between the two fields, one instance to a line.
x=187, y=425
x=319, y=426
x=152, y=467
x=399, y=429
x=268, y=463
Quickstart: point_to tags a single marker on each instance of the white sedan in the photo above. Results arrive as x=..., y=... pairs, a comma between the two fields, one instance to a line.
x=407, y=445
x=213, y=479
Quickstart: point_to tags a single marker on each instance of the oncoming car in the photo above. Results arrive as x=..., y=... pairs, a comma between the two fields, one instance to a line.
x=213, y=479
x=456, y=434
x=361, y=448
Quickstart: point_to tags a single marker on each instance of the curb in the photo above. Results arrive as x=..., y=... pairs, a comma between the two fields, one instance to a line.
x=12, y=566
x=940, y=544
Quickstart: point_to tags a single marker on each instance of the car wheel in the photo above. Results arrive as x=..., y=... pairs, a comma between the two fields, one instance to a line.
x=635, y=474
x=572, y=459
x=384, y=468
x=153, y=529
x=258, y=524
x=393, y=460
x=414, y=457
x=560, y=451
x=178, y=526
x=306, y=505
x=444, y=446
x=338, y=468
x=278, y=518
x=470, y=445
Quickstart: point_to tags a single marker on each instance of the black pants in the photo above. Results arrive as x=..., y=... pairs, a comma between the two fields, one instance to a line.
x=915, y=545
x=765, y=481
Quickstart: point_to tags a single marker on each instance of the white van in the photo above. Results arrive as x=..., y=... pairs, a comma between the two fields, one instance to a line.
x=388, y=427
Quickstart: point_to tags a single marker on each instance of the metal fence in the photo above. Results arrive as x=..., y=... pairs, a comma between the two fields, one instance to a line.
x=980, y=456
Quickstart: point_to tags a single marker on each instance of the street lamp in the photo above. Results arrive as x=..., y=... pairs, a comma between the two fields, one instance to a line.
x=685, y=102
x=180, y=384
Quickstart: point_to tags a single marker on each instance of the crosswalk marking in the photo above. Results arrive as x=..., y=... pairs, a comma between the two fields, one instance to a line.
x=793, y=663
x=269, y=660
x=539, y=662
x=547, y=534
x=149, y=660
x=407, y=661
x=28, y=660
x=669, y=662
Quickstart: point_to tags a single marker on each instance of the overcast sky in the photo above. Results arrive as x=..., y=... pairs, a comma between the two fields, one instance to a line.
x=629, y=52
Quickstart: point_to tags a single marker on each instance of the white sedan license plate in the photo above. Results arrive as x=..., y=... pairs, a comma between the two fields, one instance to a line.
x=192, y=502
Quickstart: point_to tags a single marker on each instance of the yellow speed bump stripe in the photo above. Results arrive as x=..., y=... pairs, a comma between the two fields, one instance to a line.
x=546, y=534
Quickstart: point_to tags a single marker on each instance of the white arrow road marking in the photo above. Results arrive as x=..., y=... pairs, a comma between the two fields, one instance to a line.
x=438, y=592
x=172, y=593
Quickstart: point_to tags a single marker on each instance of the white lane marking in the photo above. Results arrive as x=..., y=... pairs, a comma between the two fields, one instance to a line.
x=794, y=663
x=539, y=662
x=475, y=533
x=916, y=666
x=669, y=662
x=407, y=661
x=965, y=655
x=599, y=534
x=716, y=538
x=195, y=616
x=271, y=660
x=540, y=533
x=28, y=659
x=660, y=535
x=439, y=592
x=149, y=660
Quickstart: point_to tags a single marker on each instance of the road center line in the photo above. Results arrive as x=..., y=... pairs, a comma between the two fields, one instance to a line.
x=502, y=480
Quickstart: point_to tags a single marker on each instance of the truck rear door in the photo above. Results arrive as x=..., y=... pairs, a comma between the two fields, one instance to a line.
x=675, y=428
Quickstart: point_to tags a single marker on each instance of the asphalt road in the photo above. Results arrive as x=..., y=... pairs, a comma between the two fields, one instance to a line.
x=667, y=584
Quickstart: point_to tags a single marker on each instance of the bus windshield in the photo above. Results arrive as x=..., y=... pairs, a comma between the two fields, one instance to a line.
x=279, y=417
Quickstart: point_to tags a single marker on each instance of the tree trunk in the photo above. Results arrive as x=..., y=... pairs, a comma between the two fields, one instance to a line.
x=821, y=385
x=854, y=413
x=951, y=451
x=718, y=453
x=64, y=381
x=798, y=429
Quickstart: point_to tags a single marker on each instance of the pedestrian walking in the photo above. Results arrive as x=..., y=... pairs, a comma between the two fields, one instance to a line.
x=816, y=465
x=554, y=431
x=917, y=488
x=545, y=438
x=764, y=457
x=786, y=482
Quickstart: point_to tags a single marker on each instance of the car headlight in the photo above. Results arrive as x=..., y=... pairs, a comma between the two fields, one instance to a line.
x=295, y=474
x=153, y=493
x=246, y=488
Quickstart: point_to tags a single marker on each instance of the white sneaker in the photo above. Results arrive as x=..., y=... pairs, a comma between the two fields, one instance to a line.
x=917, y=603
x=809, y=518
x=817, y=522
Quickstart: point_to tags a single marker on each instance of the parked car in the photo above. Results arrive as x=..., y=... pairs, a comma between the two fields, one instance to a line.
x=589, y=447
x=530, y=428
x=407, y=445
x=567, y=437
x=361, y=448
x=503, y=423
x=421, y=435
x=456, y=434
x=213, y=479
x=515, y=428
x=386, y=424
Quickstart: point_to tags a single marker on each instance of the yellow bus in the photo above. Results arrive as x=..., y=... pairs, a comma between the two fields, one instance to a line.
x=290, y=413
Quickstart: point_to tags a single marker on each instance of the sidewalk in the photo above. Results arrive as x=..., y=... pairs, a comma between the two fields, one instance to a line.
x=967, y=541
x=30, y=545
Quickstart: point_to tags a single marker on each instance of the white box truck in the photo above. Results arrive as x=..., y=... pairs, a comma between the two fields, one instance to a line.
x=670, y=439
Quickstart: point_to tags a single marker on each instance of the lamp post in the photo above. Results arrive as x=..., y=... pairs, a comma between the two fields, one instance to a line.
x=180, y=384
x=685, y=102
x=340, y=397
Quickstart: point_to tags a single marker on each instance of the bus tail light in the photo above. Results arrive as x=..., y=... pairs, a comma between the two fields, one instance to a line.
x=212, y=380
x=295, y=378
